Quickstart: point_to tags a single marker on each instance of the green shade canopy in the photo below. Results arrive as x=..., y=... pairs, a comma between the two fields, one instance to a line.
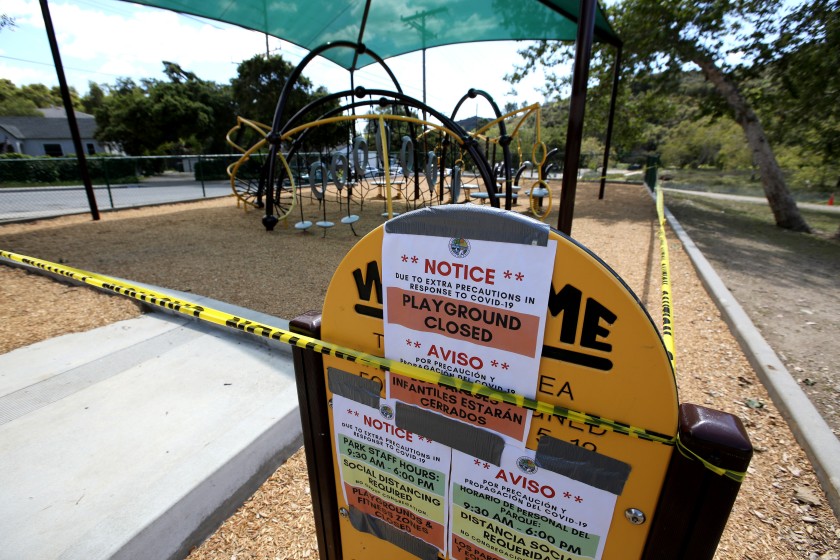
x=394, y=27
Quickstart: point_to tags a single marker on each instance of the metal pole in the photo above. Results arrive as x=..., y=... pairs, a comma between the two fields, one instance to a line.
x=424, y=80
x=201, y=176
x=574, y=134
x=107, y=181
x=68, y=108
x=616, y=75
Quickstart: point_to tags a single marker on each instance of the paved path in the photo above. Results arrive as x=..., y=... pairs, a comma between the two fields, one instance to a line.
x=131, y=440
x=835, y=209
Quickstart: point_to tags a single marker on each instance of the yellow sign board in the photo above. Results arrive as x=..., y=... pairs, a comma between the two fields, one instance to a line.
x=413, y=484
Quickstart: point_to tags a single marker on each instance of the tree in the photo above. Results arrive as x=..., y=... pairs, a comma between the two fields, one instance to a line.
x=185, y=114
x=26, y=100
x=256, y=90
x=176, y=74
x=705, y=142
x=94, y=99
x=802, y=82
x=12, y=103
x=258, y=84
x=663, y=37
x=43, y=97
x=6, y=21
x=121, y=116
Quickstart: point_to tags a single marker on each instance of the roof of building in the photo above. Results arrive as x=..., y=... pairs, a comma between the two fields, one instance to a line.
x=52, y=126
x=60, y=113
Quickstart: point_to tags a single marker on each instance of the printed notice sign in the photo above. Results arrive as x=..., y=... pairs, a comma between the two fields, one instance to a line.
x=390, y=473
x=470, y=309
x=519, y=511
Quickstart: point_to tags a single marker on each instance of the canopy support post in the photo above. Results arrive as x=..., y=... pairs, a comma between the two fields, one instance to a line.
x=616, y=75
x=68, y=108
x=574, y=134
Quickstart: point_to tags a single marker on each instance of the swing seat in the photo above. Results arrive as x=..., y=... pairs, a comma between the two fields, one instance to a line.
x=352, y=219
x=468, y=190
x=305, y=225
x=537, y=193
x=324, y=224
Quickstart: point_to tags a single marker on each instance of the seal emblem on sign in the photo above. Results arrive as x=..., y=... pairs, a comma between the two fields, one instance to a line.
x=459, y=247
x=386, y=411
x=526, y=465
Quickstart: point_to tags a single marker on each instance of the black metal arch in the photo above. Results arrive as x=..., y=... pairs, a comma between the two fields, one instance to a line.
x=384, y=97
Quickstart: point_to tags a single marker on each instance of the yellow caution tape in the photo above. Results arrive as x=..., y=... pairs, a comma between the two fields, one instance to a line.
x=689, y=454
x=221, y=318
x=668, y=333
x=301, y=341
x=667, y=317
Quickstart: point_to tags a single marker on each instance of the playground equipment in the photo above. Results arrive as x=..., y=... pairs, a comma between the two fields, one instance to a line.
x=247, y=174
x=386, y=147
x=244, y=173
x=508, y=182
x=432, y=158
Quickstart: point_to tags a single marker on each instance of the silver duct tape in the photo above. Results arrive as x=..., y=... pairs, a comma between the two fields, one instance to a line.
x=469, y=221
x=583, y=465
x=367, y=523
x=479, y=443
x=353, y=387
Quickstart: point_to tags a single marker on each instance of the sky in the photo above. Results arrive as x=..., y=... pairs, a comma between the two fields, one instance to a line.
x=103, y=40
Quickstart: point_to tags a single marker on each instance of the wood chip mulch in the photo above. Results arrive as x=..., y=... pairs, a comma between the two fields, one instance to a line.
x=213, y=249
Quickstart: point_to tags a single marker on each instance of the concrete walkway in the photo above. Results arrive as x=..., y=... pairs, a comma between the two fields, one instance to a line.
x=833, y=209
x=137, y=439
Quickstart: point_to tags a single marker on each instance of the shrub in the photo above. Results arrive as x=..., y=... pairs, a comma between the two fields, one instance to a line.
x=213, y=169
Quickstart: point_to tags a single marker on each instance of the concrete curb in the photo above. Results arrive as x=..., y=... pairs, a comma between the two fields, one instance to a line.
x=812, y=432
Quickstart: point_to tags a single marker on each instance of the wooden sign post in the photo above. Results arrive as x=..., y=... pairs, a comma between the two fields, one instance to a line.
x=440, y=463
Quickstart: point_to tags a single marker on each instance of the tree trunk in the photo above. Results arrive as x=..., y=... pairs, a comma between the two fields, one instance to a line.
x=781, y=202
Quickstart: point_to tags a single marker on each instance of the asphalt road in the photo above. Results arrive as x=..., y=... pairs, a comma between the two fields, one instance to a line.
x=20, y=204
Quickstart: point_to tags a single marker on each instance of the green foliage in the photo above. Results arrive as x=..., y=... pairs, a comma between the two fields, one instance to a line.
x=257, y=89
x=26, y=100
x=708, y=142
x=94, y=98
x=215, y=169
x=112, y=169
x=785, y=67
x=18, y=168
x=183, y=115
x=40, y=95
x=807, y=170
x=258, y=84
x=591, y=153
x=801, y=81
x=23, y=169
